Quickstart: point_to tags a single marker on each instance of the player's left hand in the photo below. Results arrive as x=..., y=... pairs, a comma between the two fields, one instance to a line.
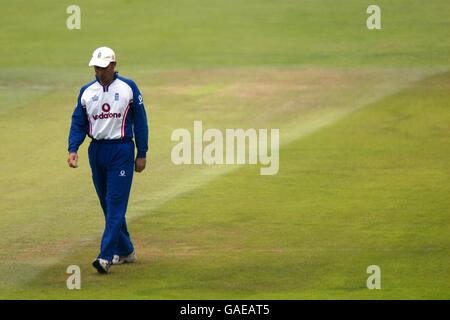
x=139, y=164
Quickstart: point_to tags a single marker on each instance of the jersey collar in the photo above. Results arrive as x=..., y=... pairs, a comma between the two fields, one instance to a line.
x=105, y=88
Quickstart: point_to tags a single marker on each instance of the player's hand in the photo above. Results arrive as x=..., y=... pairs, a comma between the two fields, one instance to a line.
x=139, y=164
x=73, y=160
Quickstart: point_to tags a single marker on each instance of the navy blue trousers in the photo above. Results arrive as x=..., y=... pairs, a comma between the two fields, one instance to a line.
x=112, y=165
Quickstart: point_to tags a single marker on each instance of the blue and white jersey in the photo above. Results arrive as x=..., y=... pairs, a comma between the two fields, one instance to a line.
x=110, y=112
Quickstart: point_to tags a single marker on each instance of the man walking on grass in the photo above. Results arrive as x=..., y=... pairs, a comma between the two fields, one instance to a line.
x=110, y=110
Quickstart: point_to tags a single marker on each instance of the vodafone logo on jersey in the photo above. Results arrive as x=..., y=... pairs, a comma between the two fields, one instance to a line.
x=106, y=107
x=106, y=114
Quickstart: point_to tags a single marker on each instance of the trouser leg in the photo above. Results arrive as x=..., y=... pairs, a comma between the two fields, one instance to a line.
x=118, y=186
x=124, y=246
x=98, y=175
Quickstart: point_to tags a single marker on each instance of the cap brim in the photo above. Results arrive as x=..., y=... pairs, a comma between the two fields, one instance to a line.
x=98, y=62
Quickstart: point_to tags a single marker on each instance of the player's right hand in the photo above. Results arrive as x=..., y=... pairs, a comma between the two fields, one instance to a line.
x=73, y=160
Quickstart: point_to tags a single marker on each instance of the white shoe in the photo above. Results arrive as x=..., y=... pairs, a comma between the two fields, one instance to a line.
x=101, y=265
x=124, y=259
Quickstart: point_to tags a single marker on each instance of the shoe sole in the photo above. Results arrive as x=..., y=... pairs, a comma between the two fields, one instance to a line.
x=132, y=260
x=99, y=268
x=125, y=260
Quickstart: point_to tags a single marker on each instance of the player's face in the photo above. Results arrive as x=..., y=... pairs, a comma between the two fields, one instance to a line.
x=105, y=74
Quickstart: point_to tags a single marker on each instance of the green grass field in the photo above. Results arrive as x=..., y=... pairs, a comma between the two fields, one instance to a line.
x=364, y=160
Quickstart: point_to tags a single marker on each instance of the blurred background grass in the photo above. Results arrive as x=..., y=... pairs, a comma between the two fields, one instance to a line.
x=300, y=65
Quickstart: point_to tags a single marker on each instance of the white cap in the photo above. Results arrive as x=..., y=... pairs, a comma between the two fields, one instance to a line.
x=102, y=57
